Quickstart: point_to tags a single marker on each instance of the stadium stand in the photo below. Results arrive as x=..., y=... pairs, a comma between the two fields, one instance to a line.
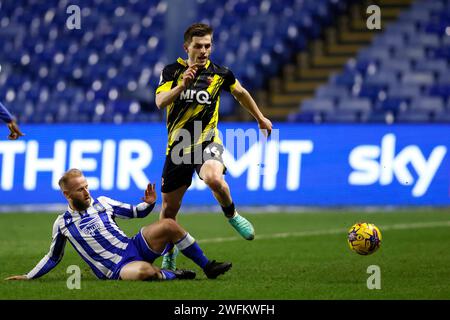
x=403, y=76
x=108, y=70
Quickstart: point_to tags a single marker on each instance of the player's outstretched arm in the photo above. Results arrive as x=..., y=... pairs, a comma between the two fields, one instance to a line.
x=246, y=100
x=128, y=211
x=14, y=131
x=51, y=259
x=4, y=114
x=21, y=277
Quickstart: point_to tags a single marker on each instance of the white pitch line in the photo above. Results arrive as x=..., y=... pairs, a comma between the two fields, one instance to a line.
x=400, y=226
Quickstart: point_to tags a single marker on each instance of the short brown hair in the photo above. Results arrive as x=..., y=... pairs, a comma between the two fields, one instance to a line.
x=72, y=173
x=197, y=30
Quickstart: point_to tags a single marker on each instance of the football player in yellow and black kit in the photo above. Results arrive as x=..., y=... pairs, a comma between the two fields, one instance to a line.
x=190, y=90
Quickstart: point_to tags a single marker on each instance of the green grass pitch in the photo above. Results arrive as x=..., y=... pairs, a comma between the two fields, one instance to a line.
x=295, y=256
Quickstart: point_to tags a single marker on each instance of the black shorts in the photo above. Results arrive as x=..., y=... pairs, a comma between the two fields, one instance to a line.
x=178, y=170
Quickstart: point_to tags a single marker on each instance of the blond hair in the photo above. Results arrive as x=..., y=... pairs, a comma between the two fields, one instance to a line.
x=72, y=173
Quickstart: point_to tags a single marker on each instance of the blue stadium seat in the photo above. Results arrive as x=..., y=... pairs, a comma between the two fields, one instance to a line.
x=371, y=91
x=393, y=104
x=227, y=105
x=425, y=40
x=396, y=65
x=435, y=65
x=405, y=29
x=414, y=16
x=121, y=106
x=445, y=41
x=442, y=90
x=332, y=92
x=404, y=91
x=414, y=117
x=441, y=52
x=436, y=27
x=444, y=76
x=428, y=6
x=347, y=78
x=377, y=53
x=382, y=78
x=378, y=116
x=434, y=104
x=306, y=117
x=355, y=104
x=342, y=116
x=418, y=78
x=360, y=66
x=318, y=104
x=392, y=40
x=416, y=52
x=442, y=117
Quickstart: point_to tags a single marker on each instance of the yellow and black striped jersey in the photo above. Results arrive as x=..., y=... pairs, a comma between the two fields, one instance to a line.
x=197, y=104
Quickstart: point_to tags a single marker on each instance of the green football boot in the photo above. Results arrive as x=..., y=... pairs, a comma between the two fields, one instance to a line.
x=242, y=226
x=170, y=259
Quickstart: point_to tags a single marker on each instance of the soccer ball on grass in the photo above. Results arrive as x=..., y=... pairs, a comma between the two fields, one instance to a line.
x=364, y=238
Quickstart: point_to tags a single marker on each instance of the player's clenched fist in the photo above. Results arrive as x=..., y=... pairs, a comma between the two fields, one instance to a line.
x=189, y=75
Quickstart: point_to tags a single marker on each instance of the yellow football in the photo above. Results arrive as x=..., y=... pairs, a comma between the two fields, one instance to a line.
x=364, y=238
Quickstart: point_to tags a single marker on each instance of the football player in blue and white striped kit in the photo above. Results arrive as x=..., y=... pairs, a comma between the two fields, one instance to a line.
x=14, y=130
x=89, y=225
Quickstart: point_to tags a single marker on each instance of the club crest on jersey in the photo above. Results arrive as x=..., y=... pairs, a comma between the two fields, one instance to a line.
x=201, y=96
x=68, y=220
x=89, y=225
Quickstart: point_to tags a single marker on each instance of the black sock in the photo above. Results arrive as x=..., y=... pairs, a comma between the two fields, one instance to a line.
x=229, y=211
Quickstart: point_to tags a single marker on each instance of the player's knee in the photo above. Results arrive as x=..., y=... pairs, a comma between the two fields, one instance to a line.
x=170, y=226
x=214, y=181
x=146, y=272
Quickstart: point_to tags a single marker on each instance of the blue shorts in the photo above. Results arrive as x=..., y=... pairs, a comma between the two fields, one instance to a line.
x=138, y=250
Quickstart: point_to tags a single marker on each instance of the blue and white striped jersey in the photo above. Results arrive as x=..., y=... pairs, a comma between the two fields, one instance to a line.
x=94, y=234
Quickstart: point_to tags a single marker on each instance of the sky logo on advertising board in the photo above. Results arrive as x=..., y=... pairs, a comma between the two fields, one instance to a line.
x=372, y=164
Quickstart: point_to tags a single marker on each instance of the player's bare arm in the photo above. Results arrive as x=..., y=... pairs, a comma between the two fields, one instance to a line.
x=246, y=100
x=163, y=99
x=21, y=277
x=14, y=131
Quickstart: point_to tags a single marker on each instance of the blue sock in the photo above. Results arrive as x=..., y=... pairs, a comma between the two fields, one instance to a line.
x=191, y=249
x=167, y=274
